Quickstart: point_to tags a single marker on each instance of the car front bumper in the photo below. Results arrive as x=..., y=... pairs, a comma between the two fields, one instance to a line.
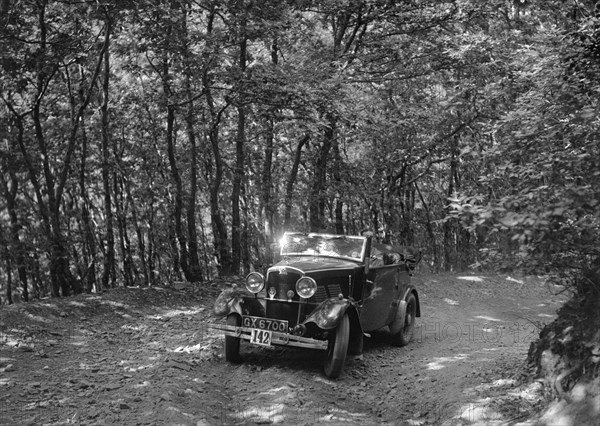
x=278, y=338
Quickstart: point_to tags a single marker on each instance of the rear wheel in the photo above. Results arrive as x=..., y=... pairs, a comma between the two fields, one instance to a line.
x=232, y=344
x=404, y=322
x=337, y=349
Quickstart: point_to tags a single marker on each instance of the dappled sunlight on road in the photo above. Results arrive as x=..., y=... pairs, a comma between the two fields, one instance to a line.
x=274, y=413
x=269, y=406
x=111, y=303
x=275, y=391
x=471, y=278
x=496, y=384
x=37, y=318
x=438, y=362
x=175, y=312
x=487, y=318
x=188, y=349
x=479, y=412
x=132, y=369
x=324, y=380
x=339, y=415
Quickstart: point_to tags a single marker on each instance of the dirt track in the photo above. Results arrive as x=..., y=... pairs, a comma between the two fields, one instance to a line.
x=145, y=357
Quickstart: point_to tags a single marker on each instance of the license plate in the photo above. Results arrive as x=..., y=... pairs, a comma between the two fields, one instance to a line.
x=263, y=328
x=260, y=337
x=266, y=324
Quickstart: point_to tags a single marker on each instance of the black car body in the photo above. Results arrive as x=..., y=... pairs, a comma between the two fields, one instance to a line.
x=325, y=293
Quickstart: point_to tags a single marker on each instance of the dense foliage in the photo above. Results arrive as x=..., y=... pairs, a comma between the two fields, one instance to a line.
x=146, y=141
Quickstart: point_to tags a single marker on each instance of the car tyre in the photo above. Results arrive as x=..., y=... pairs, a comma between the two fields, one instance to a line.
x=232, y=344
x=337, y=349
x=405, y=322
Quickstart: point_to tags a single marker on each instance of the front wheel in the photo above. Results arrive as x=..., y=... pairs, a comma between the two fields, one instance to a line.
x=232, y=344
x=403, y=326
x=337, y=349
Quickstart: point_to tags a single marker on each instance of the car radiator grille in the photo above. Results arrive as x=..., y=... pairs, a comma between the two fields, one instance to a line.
x=282, y=282
x=287, y=281
x=326, y=291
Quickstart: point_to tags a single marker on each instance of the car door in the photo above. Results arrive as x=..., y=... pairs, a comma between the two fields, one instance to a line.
x=380, y=296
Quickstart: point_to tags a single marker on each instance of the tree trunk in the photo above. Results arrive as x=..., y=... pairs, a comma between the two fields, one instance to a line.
x=245, y=235
x=151, y=245
x=238, y=171
x=449, y=243
x=222, y=253
x=374, y=218
x=429, y=228
x=215, y=176
x=194, y=272
x=4, y=8
x=179, y=243
x=238, y=174
x=17, y=248
x=7, y=259
x=109, y=273
x=89, y=236
x=291, y=181
x=317, y=197
x=266, y=209
x=120, y=210
x=181, y=246
x=337, y=176
x=141, y=246
x=51, y=230
x=206, y=255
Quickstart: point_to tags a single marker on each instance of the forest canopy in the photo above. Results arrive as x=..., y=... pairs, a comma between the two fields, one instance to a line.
x=149, y=141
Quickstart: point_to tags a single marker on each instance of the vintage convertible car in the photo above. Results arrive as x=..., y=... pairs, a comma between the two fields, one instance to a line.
x=325, y=293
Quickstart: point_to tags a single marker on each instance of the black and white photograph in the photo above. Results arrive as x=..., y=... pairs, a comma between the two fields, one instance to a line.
x=300, y=212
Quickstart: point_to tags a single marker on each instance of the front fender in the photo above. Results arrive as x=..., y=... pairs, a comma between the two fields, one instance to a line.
x=329, y=313
x=237, y=300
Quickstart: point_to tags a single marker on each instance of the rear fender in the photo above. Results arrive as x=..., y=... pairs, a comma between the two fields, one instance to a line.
x=413, y=290
x=402, y=309
x=237, y=300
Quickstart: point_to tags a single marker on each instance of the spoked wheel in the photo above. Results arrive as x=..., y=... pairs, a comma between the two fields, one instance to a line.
x=403, y=326
x=337, y=349
x=232, y=344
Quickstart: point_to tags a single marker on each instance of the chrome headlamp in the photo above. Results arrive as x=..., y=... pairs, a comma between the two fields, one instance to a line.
x=255, y=282
x=306, y=287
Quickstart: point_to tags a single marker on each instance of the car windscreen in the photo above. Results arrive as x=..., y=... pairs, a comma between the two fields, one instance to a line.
x=342, y=246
